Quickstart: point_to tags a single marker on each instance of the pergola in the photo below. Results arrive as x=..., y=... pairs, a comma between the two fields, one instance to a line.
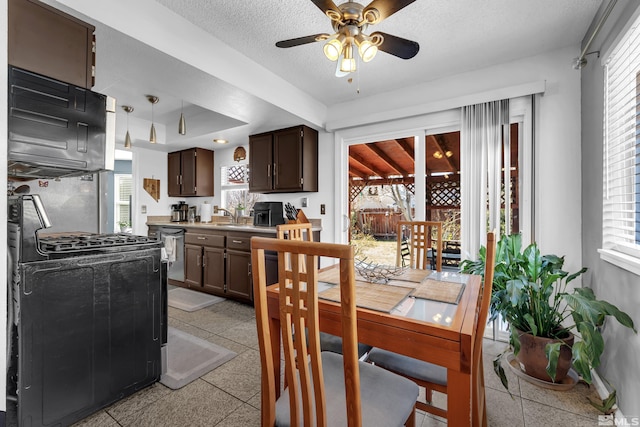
x=392, y=162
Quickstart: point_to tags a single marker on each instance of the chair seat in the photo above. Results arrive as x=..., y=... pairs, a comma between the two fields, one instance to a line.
x=408, y=366
x=333, y=343
x=387, y=399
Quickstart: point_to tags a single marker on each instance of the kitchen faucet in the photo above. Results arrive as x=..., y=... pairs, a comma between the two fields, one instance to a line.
x=234, y=216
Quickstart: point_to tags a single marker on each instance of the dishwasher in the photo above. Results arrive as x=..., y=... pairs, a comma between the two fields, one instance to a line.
x=173, y=242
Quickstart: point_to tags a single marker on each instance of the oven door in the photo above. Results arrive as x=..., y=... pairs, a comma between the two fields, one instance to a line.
x=89, y=333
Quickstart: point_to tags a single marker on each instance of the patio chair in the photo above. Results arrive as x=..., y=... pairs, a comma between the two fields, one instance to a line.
x=419, y=243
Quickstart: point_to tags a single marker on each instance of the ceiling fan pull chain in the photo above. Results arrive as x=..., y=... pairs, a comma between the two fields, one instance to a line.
x=358, y=76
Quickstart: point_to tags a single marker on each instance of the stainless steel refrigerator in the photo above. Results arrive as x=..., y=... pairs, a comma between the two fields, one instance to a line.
x=73, y=204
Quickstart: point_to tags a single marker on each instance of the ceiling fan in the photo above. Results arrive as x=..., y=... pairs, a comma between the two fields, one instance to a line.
x=350, y=20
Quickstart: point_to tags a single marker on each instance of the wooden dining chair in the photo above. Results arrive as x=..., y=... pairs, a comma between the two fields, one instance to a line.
x=303, y=232
x=415, y=238
x=434, y=377
x=323, y=388
x=295, y=231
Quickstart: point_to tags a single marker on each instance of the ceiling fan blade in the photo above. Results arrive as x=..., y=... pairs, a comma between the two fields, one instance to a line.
x=302, y=40
x=397, y=46
x=325, y=5
x=387, y=7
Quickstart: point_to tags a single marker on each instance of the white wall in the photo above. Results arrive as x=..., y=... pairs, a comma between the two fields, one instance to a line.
x=620, y=361
x=558, y=174
x=148, y=164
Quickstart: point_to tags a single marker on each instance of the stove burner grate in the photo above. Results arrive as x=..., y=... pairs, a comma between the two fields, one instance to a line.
x=81, y=242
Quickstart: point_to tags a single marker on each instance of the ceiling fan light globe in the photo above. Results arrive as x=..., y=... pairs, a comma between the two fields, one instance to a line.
x=332, y=49
x=367, y=51
x=348, y=65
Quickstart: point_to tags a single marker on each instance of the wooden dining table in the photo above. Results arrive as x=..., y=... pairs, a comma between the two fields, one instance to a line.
x=427, y=329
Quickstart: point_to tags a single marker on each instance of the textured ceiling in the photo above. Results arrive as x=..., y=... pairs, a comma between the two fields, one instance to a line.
x=455, y=36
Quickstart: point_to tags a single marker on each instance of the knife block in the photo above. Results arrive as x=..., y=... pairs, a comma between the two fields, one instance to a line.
x=300, y=219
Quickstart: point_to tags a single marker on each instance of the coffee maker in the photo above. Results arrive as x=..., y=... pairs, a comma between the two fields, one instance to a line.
x=179, y=212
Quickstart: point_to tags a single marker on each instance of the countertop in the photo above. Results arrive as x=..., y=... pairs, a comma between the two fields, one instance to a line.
x=220, y=224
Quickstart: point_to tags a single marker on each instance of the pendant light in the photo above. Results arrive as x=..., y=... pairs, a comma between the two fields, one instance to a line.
x=182, y=125
x=127, y=139
x=152, y=135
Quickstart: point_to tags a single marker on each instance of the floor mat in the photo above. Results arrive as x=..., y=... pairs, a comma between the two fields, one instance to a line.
x=190, y=357
x=188, y=300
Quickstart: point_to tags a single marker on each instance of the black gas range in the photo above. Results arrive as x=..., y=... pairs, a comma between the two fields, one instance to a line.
x=89, y=312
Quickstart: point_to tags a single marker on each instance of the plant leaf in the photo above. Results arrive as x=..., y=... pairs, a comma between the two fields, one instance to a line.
x=574, y=275
x=532, y=324
x=606, y=405
x=593, y=343
x=499, y=370
x=552, y=351
x=514, y=292
x=584, y=306
x=581, y=361
x=534, y=262
x=514, y=340
x=620, y=316
x=586, y=292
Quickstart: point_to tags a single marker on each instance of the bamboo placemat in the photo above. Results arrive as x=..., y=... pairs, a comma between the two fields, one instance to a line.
x=412, y=275
x=330, y=275
x=448, y=292
x=372, y=295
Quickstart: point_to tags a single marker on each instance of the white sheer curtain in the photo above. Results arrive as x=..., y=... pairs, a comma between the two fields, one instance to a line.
x=484, y=130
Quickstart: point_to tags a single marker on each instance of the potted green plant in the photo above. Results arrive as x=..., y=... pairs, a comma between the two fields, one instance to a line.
x=530, y=291
x=124, y=225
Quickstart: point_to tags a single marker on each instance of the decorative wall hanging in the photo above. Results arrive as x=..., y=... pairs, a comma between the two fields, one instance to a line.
x=152, y=186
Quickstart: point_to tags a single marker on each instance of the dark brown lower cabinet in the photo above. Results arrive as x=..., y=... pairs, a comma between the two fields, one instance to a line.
x=213, y=265
x=239, y=278
x=219, y=263
x=204, y=268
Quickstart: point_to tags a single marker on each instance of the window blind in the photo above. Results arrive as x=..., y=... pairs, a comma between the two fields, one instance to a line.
x=621, y=192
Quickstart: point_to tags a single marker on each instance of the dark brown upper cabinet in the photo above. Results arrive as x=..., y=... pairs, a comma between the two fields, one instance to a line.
x=190, y=173
x=47, y=41
x=284, y=161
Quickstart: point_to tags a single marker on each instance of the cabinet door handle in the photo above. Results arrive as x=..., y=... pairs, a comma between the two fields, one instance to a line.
x=180, y=179
x=177, y=179
x=269, y=169
x=275, y=172
x=249, y=270
x=202, y=238
x=198, y=261
x=204, y=264
x=237, y=241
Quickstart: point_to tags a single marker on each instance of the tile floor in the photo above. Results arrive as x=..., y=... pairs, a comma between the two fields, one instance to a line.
x=228, y=396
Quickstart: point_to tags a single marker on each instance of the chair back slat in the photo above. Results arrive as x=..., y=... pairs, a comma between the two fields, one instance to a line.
x=478, y=396
x=295, y=231
x=298, y=307
x=420, y=240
